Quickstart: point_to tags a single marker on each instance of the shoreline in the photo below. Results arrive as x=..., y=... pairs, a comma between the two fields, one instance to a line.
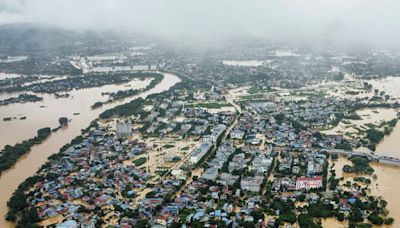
x=29, y=164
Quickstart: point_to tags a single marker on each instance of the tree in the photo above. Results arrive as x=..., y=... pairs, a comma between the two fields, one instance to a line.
x=257, y=215
x=306, y=221
x=141, y=223
x=289, y=217
x=375, y=219
x=248, y=224
x=63, y=121
x=389, y=221
x=43, y=132
x=356, y=215
x=28, y=218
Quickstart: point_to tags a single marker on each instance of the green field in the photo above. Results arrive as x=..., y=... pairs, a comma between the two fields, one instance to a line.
x=212, y=105
x=139, y=161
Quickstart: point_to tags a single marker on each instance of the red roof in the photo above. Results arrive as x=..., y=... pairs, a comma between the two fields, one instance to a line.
x=309, y=178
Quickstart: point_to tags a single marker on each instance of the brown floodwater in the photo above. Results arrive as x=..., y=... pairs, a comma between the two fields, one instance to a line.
x=79, y=102
x=386, y=185
x=46, y=113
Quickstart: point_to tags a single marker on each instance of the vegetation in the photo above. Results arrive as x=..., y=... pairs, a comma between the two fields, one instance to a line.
x=375, y=136
x=352, y=116
x=360, y=165
x=306, y=221
x=343, y=146
x=132, y=108
x=18, y=205
x=63, y=121
x=10, y=154
x=22, y=98
x=139, y=161
x=80, y=82
x=169, y=146
x=212, y=105
x=362, y=180
x=256, y=89
x=375, y=219
x=157, y=78
x=389, y=221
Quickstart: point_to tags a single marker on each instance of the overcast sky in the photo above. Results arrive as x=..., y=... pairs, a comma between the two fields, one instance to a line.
x=341, y=21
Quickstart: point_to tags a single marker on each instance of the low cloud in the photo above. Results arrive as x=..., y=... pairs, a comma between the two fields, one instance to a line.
x=366, y=22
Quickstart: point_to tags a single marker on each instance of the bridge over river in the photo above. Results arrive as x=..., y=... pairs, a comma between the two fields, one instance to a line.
x=386, y=158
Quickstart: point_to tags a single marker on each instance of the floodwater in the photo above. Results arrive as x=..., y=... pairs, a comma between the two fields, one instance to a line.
x=79, y=103
x=368, y=115
x=46, y=113
x=387, y=185
x=390, y=145
x=334, y=223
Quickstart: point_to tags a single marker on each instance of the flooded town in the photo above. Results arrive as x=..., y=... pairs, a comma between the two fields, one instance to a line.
x=135, y=129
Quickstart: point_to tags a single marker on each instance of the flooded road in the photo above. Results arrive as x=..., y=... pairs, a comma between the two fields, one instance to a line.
x=30, y=163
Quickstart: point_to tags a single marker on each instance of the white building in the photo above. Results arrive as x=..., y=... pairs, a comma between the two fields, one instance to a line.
x=198, y=153
x=124, y=129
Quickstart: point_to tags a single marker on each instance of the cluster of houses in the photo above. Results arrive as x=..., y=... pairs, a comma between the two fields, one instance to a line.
x=90, y=176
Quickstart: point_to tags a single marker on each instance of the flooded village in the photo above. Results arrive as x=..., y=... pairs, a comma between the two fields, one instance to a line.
x=144, y=137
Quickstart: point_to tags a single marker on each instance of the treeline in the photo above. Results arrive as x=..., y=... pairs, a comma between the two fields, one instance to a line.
x=374, y=135
x=80, y=82
x=157, y=78
x=40, y=65
x=19, y=206
x=10, y=154
x=132, y=108
x=22, y=98
x=19, y=209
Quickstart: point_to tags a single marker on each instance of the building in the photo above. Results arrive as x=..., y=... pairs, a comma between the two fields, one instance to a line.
x=198, y=153
x=124, y=130
x=261, y=163
x=210, y=174
x=252, y=184
x=307, y=183
x=68, y=224
x=237, y=134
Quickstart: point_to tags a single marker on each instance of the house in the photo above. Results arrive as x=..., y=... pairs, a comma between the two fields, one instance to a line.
x=252, y=184
x=210, y=174
x=227, y=179
x=68, y=224
x=261, y=163
x=237, y=134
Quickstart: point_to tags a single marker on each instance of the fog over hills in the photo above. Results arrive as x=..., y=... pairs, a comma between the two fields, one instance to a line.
x=340, y=22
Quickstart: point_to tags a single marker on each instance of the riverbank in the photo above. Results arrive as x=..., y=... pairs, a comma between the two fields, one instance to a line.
x=386, y=184
x=31, y=162
x=46, y=112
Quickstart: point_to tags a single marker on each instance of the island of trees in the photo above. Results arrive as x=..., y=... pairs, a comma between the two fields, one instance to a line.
x=22, y=98
x=157, y=78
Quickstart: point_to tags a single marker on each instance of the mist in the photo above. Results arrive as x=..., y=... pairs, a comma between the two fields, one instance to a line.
x=320, y=22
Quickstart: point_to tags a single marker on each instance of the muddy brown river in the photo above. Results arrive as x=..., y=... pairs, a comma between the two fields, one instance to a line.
x=79, y=102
